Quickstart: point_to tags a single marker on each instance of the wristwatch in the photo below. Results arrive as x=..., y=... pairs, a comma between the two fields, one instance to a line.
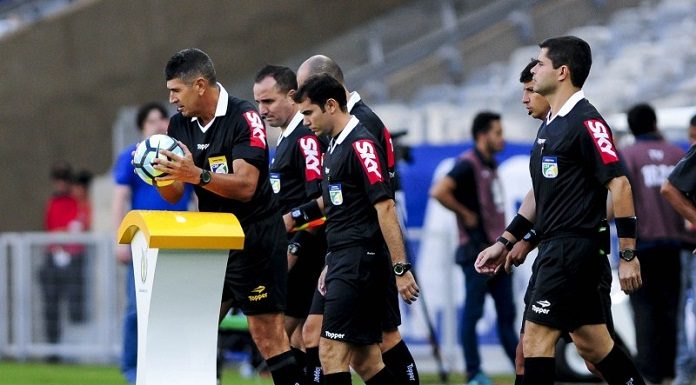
x=506, y=242
x=401, y=268
x=627, y=254
x=205, y=178
x=293, y=248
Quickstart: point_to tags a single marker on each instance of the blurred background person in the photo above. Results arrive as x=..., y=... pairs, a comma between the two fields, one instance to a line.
x=648, y=162
x=473, y=192
x=62, y=276
x=133, y=193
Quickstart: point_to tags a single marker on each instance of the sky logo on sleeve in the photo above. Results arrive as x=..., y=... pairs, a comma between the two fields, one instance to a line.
x=257, y=137
x=368, y=159
x=310, y=150
x=602, y=139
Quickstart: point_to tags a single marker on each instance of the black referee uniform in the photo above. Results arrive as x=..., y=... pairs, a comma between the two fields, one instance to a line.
x=373, y=126
x=296, y=175
x=572, y=160
x=256, y=277
x=359, y=266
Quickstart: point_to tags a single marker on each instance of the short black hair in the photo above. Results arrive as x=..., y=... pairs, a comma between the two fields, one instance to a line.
x=321, y=64
x=483, y=123
x=641, y=119
x=285, y=78
x=83, y=178
x=145, y=110
x=320, y=88
x=692, y=122
x=190, y=63
x=526, y=74
x=573, y=52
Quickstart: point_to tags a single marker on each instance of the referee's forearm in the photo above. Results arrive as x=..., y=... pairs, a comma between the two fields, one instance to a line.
x=389, y=224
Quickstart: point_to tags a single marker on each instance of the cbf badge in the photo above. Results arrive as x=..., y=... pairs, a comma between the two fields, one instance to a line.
x=218, y=164
x=336, y=194
x=275, y=182
x=549, y=167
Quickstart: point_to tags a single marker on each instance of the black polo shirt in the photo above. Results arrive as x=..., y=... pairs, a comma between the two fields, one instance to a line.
x=354, y=180
x=295, y=170
x=683, y=176
x=571, y=162
x=236, y=132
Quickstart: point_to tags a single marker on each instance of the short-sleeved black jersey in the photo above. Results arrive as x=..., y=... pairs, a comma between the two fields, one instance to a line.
x=683, y=176
x=295, y=170
x=378, y=130
x=236, y=132
x=354, y=180
x=572, y=160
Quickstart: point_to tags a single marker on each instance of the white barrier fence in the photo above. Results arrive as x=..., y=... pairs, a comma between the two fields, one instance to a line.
x=54, y=305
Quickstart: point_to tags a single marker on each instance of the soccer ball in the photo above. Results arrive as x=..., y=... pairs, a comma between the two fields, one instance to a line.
x=147, y=151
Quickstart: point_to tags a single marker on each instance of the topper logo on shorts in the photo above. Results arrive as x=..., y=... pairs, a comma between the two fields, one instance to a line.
x=543, y=309
x=310, y=150
x=602, y=139
x=258, y=130
x=368, y=159
x=259, y=294
x=334, y=336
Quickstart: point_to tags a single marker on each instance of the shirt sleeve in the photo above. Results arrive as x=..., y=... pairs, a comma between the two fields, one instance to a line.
x=683, y=176
x=123, y=169
x=308, y=160
x=250, y=142
x=598, y=152
x=462, y=173
x=372, y=169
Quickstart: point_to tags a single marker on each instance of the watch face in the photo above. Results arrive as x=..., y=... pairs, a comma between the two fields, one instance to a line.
x=627, y=254
x=398, y=269
x=292, y=248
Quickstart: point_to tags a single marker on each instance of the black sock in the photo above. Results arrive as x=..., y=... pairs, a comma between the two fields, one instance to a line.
x=618, y=369
x=313, y=367
x=519, y=379
x=383, y=377
x=401, y=363
x=340, y=378
x=284, y=369
x=300, y=358
x=539, y=370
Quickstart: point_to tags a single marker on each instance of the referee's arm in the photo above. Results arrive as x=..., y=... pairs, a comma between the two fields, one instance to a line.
x=622, y=198
x=389, y=224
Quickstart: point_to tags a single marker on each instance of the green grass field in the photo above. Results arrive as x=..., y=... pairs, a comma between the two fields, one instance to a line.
x=12, y=373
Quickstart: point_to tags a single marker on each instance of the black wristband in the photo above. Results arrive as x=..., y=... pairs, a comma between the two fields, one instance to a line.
x=519, y=226
x=298, y=241
x=626, y=227
x=506, y=242
x=306, y=213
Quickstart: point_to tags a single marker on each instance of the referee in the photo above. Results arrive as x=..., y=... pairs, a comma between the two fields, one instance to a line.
x=361, y=221
x=295, y=175
x=395, y=352
x=228, y=165
x=573, y=163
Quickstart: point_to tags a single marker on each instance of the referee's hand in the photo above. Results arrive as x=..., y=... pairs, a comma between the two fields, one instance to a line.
x=408, y=288
x=629, y=275
x=491, y=259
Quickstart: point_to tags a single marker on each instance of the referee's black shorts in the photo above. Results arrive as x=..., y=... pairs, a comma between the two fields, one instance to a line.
x=392, y=316
x=256, y=277
x=605, y=295
x=564, y=290
x=302, y=279
x=355, y=304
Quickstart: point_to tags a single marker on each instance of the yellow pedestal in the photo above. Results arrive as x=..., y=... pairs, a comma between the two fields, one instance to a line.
x=179, y=261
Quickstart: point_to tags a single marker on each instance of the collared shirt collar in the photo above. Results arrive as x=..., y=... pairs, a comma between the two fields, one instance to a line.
x=353, y=100
x=294, y=123
x=346, y=130
x=487, y=162
x=567, y=106
x=220, y=109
